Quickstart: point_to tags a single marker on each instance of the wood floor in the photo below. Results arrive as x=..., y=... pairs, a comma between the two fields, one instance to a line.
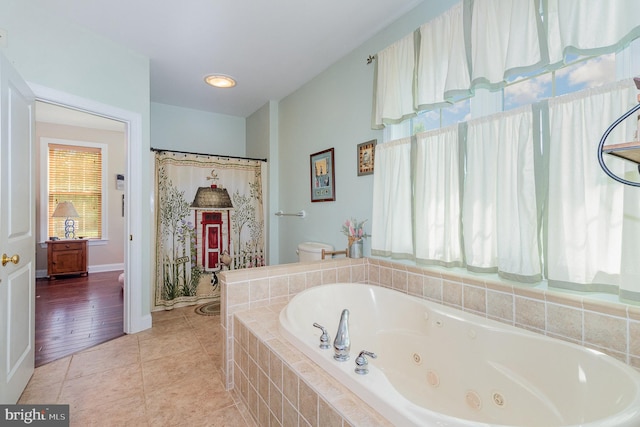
x=75, y=313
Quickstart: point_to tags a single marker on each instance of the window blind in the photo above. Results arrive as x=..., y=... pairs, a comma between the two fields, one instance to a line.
x=75, y=175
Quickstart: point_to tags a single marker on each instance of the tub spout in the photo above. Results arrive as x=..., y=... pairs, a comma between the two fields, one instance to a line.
x=342, y=343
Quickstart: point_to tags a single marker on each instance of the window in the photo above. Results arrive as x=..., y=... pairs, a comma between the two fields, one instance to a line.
x=75, y=173
x=429, y=120
x=546, y=250
x=442, y=117
x=579, y=73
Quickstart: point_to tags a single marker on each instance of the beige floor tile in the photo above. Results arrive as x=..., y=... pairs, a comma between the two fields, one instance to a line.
x=83, y=393
x=54, y=372
x=169, y=314
x=128, y=411
x=211, y=345
x=229, y=417
x=205, y=323
x=46, y=383
x=211, y=339
x=246, y=416
x=168, y=344
x=164, y=371
x=187, y=403
x=198, y=320
x=191, y=312
x=38, y=393
x=163, y=327
x=167, y=376
x=114, y=354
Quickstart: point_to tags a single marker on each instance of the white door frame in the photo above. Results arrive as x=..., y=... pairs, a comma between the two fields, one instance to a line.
x=134, y=319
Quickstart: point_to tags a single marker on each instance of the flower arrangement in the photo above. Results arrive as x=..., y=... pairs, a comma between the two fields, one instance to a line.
x=354, y=230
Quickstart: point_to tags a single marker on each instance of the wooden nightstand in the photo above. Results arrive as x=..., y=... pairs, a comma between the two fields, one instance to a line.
x=66, y=257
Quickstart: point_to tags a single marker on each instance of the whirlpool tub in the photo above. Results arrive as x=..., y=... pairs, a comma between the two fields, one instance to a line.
x=439, y=366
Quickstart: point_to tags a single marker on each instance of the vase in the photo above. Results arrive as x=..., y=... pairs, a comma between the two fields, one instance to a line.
x=355, y=250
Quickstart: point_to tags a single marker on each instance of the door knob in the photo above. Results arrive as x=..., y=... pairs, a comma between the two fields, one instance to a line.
x=14, y=259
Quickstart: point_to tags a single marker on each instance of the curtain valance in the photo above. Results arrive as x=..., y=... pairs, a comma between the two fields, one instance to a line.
x=394, y=82
x=438, y=81
x=506, y=38
x=589, y=27
x=480, y=43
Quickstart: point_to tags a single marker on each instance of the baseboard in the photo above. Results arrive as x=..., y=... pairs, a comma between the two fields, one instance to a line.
x=102, y=268
x=105, y=267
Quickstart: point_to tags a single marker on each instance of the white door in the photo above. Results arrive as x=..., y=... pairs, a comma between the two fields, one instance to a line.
x=17, y=234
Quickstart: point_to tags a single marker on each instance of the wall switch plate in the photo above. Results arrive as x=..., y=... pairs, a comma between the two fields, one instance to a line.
x=3, y=37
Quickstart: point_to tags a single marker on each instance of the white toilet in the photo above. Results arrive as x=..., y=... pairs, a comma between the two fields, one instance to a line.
x=312, y=251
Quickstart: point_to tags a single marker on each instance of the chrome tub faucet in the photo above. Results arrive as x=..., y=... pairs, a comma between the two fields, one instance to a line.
x=342, y=343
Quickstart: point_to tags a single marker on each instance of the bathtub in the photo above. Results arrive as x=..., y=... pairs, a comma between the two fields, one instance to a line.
x=438, y=366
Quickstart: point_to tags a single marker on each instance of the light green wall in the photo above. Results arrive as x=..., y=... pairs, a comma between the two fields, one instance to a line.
x=60, y=56
x=258, y=126
x=334, y=110
x=196, y=131
x=262, y=142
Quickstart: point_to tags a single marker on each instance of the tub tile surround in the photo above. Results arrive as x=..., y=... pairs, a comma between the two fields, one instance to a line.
x=255, y=296
x=281, y=386
x=248, y=289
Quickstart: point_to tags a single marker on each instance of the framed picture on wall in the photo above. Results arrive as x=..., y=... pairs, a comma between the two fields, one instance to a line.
x=323, y=185
x=366, y=154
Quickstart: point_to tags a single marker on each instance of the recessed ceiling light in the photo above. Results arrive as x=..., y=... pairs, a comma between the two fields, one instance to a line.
x=220, y=80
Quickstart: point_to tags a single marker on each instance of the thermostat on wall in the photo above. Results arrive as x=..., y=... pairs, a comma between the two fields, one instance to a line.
x=120, y=182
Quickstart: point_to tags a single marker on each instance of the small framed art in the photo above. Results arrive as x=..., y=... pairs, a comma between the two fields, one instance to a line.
x=366, y=155
x=323, y=186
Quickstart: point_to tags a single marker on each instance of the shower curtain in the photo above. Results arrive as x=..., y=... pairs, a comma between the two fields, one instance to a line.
x=209, y=218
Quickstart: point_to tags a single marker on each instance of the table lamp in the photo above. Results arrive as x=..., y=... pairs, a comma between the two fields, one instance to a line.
x=66, y=210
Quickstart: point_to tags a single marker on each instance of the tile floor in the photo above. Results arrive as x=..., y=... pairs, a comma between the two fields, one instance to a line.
x=165, y=376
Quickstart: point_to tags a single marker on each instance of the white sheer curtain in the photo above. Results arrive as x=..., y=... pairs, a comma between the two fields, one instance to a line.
x=506, y=37
x=499, y=207
x=437, y=195
x=391, y=224
x=443, y=69
x=480, y=43
x=393, y=97
x=586, y=207
x=589, y=26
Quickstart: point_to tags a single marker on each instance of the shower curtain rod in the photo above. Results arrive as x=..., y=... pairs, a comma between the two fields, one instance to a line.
x=205, y=154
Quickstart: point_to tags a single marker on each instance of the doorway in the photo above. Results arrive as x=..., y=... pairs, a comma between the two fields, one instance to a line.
x=75, y=313
x=136, y=312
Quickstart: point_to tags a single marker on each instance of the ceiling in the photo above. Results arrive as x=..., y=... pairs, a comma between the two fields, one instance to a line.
x=50, y=113
x=270, y=47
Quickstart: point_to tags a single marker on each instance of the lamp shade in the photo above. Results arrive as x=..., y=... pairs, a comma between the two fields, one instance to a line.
x=65, y=210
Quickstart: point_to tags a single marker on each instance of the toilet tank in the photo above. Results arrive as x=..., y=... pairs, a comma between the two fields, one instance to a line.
x=312, y=251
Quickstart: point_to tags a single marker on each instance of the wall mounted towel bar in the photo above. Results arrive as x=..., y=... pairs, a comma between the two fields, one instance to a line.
x=301, y=214
x=332, y=253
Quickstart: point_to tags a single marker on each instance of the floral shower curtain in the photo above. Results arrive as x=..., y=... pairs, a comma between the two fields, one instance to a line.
x=209, y=218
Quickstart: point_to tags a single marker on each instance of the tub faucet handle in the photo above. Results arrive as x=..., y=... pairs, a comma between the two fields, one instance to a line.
x=324, y=338
x=362, y=364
